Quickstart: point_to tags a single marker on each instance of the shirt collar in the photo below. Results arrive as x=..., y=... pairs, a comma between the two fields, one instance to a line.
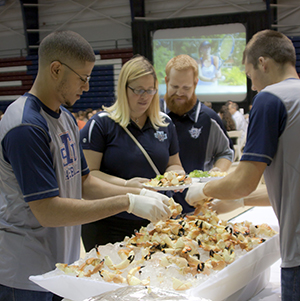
x=194, y=112
x=45, y=108
x=146, y=126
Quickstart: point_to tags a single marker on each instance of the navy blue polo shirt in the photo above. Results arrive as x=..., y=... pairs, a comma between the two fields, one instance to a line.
x=121, y=156
x=210, y=112
x=201, y=142
x=193, y=138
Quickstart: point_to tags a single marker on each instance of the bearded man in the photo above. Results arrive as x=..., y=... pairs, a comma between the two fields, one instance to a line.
x=203, y=144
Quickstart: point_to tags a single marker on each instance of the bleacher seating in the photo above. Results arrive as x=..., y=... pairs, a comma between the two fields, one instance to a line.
x=123, y=53
x=17, y=76
x=14, y=79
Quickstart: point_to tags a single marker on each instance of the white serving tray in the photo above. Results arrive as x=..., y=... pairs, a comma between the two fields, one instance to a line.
x=221, y=286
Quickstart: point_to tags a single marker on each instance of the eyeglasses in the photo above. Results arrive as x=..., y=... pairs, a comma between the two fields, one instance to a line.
x=142, y=91
x=84, y=80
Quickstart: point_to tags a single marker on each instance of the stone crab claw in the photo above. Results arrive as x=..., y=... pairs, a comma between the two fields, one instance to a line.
x=96, y=269
x=122, y=265
x=132, y=280
x=180, y=285
x=112, y=276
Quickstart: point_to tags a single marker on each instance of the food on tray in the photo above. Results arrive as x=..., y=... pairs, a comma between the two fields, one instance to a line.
x=169, y=178
x=178, y=253
x=205, y=174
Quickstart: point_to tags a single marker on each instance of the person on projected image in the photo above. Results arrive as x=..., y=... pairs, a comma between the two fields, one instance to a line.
x=209, y=72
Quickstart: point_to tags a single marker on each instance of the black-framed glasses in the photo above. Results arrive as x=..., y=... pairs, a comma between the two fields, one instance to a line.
x=83, y=80
x=142, y=91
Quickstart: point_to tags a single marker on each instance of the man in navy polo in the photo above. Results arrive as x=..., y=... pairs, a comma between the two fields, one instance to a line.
x=203, y=144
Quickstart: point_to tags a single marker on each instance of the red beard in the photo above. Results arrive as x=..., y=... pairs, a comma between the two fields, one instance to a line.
x=180, y=108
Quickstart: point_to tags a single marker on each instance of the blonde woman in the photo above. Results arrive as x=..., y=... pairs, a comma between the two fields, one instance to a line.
x=113, y=156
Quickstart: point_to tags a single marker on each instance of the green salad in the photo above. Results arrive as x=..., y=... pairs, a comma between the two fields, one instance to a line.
x=199, y=174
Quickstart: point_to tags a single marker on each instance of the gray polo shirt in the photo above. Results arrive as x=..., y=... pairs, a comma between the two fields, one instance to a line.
x=273, y=138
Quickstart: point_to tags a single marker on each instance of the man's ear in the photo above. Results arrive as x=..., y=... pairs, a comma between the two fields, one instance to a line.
x=55, y=69
x=263, y=62
x=166, y=80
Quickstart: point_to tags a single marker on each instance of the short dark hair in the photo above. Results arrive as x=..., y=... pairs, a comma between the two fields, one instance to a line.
x=65, y=46
x=271, y=44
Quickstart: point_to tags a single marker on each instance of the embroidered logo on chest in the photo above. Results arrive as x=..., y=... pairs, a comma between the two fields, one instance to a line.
x=194, y=132
x=161, y=136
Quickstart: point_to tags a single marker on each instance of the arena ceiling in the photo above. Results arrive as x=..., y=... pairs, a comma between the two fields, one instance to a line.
x=107, y=23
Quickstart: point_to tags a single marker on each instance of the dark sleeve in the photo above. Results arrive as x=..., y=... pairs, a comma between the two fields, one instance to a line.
x=84, y=167
x=26, y=148
x=92, y=136
x=267, y=121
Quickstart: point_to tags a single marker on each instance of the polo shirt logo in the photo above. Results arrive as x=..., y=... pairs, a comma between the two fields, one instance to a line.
x=194, y=132
x=161, y=136
x=69, y=156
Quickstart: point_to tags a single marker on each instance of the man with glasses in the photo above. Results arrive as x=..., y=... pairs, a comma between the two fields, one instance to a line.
x=44, y=175
x=85, y=80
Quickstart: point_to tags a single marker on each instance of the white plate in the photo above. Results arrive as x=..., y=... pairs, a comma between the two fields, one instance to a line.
x=165, y=188
x=205, y=179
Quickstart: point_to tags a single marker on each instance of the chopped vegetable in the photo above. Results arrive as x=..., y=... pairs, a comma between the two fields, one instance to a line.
x=199, y=174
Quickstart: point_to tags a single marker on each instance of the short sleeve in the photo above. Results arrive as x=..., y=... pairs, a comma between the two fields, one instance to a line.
x=26, y=148
x=267, y=121
x=84, y=167
x=92, y=135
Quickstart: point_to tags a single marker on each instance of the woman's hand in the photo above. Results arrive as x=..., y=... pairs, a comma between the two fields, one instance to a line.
x=215, y=169
x=136, y=182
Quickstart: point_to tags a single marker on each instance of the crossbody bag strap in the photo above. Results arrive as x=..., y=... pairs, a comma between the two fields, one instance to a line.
x=143, y=151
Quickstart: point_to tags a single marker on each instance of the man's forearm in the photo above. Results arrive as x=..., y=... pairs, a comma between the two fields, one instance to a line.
x=95, y=188
x=59, y=212
x=259, y=197
x=238, y=184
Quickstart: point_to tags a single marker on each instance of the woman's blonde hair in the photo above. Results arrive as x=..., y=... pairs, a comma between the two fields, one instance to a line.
x=133, y=69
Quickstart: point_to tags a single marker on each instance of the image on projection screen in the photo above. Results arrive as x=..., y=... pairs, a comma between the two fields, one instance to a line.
x=218, y=50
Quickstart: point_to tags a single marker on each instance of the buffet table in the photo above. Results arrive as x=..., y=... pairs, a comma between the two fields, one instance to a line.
x=241, y=280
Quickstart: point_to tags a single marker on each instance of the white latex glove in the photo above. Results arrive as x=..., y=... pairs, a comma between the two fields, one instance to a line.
x=147, y=207
x=163, y=198
x=224, y=206
x=195, y=195
x=136, y=182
